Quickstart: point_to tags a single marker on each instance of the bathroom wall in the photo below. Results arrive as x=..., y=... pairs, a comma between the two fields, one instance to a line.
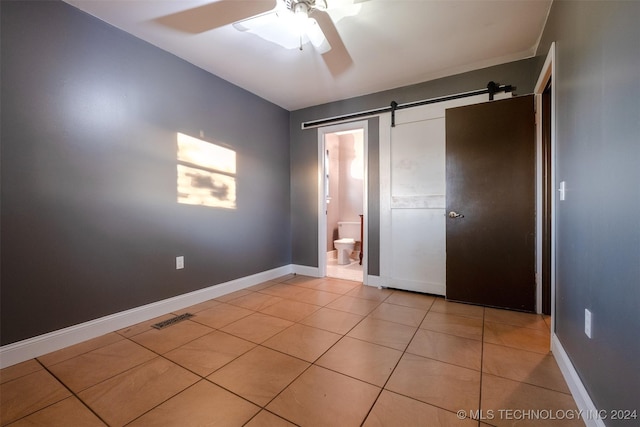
x=351, y=190
x=332, y=143
x=345, y=190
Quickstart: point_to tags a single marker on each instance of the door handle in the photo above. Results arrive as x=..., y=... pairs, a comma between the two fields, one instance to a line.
x=454, y=215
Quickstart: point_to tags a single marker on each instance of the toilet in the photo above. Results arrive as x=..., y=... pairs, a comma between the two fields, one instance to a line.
x=348, y=233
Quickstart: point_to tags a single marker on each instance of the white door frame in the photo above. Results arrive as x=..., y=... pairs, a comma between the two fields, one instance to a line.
x=322, y=201
x=548, y=70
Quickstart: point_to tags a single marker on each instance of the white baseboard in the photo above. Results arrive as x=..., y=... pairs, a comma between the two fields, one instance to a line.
x=306, y=271
x=37, y=346
x=578, y=391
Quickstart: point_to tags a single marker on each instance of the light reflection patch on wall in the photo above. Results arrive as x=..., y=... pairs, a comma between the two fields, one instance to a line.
x=205, y=173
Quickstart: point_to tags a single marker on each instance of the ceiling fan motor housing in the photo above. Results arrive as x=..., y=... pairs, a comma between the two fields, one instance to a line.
x=305, y=5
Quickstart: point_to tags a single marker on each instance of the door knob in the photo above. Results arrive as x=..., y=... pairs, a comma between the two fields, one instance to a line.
x=453, y=214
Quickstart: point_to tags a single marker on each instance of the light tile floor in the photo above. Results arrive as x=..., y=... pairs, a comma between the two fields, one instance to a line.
x=351, y=271
x=302, y=351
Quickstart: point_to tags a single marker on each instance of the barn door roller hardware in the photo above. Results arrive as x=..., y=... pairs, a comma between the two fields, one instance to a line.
x=492, y=89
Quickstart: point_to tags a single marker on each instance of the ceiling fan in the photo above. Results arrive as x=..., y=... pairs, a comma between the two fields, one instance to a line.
x=288, y=23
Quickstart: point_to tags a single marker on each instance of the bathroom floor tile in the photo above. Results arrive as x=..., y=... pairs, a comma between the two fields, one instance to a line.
x=203, y=404
x=517, y=337
x=65, y=413
x=290, y=310
x=29, y=393
x=499, y=394
x=121, y=399
x=259, y=375
x=464, y=327
x=365, y=361
x=166, y=339
x=321, y=397
x=399, y=314
x=257, y=327
x=210, y=352
x=411, y=299
x=392, y=409
x=221, y=315
x=447, y=348
x=525, y=366
x=331, y=320
x=384, y=333
x=303, y=342
x=437, y=383
x=465, y=310
x=515, y=318
x=98, y=365
x=354, y=305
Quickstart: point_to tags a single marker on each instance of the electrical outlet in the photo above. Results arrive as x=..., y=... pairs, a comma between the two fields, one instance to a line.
x=179, y=262
x=587, y=322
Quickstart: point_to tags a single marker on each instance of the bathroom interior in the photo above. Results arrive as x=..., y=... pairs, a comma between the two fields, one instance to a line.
x=344, y=187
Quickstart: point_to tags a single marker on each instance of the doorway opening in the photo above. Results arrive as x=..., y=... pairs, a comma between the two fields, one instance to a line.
x=342, y=203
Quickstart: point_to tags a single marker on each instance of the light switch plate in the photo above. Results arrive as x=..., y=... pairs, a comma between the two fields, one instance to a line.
x=179, y=262
x=587, y=322
x=563, y=190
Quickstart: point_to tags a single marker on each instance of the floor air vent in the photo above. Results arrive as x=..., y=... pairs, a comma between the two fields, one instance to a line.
x=172, y=321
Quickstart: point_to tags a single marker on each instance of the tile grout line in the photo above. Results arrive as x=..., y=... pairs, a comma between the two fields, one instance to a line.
x=73, y=394
x=310, y=363
x=484, y=313
x=396, y=365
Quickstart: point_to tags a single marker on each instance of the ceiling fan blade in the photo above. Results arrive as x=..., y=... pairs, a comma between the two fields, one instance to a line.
x=249, y=24
x=337, y=59
x=317, y=38
x=214, y=15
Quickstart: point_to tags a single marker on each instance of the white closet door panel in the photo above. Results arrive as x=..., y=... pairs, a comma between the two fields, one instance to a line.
x=418, y=158
x=418, y=249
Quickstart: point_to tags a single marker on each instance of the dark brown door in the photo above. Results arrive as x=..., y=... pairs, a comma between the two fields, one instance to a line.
x=490, y=170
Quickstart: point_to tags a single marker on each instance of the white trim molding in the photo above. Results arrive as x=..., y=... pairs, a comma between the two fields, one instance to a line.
x=583, y=401
x=306, y=270
x=322, y=201
x=21, y=351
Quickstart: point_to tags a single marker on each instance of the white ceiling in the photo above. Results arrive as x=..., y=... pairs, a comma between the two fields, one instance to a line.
x=392, y=43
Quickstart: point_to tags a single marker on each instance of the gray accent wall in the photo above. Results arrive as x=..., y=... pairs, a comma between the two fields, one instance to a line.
x=304, y=150
x=90, y=220
x=598, y=225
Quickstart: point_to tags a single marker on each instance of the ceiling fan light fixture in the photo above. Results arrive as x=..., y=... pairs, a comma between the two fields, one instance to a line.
x=301, y=18
x=289, y=25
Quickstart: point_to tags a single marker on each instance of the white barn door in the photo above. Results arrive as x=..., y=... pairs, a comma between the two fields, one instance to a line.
x=413, y=197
